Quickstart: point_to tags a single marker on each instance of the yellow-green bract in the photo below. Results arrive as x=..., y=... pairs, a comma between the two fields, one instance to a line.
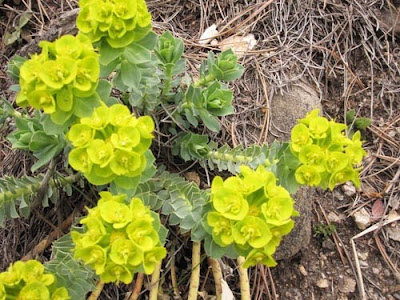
x=326, y=154
x=252, y=212
x=119, y=239
x=60, y=77
x=110, y=144
x=119, y=22
x=27, y=280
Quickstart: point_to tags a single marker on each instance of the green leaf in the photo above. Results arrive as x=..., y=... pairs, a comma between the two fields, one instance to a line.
x=104, y=89
x=44, y=156
x=130, y=74
x=137, y=54
x=216, y=251
x=51, y=128
x=149, y=41
x=108, y=54
x=350, y=116
x=86, y=105
x=40, y=139
x=362, y=123
x=209, y=121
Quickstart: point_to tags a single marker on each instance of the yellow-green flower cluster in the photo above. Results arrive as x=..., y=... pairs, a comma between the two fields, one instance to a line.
x=119, y=22
x=119, y=239
x=52, y=80
x=326, y=154
x=251, y=212
x=28, y=280
x=110, y=144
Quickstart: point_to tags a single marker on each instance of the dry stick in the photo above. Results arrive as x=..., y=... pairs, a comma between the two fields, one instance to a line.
x=217, y=273
x=155, y=278
x=97, y=291
x=175, y=287
x=138, y=287
x=357, y=262
x=195, y=277
x=244, y=279
x=39, y=248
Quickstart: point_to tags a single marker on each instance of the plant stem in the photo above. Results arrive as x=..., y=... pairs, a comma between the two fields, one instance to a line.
x=175, y=287
x=138, y=286
x=97, y=291
x=244, y=279
x=195, y=277
x=217, y=273
x=167, y=81
x=155, y=278
x=204, y=80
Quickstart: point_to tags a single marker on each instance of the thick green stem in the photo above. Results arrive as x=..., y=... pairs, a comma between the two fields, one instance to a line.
x=217, y=273
x=195, y=277
x=229, y=157
x=97, y=291
x=167, y=81
x=34, y=187
x=204, y=80
x=244, y=279
x=155, y=278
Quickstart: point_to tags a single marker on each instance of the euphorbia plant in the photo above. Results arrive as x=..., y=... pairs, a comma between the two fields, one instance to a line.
x=29, y=280
x=245, y=215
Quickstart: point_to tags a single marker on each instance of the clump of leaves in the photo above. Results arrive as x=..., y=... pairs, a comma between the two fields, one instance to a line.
x=120, y=239
x=111, y=145
x=324, y=231
x=251, y=212
x=28, y=280
x=327, y=156
x=357, y=123
x=62, y=79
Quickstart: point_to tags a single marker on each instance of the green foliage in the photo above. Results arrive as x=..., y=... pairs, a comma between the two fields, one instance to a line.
x=118, y=22
x=324, y=231
x=16, y=194
x=30, y=136
x=327, y=156
x=76, y=277
x=111, y=146
x=65, y=86
x=184, y=203
x=120, y=239
x=27, y=280
x=252, y=213
x=357, y=123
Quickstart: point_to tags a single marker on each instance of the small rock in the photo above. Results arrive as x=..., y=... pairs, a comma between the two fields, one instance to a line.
x=363, y=255
x=323, y=283
x=194, y=177
x=376, y=271
x=303, y=270
x=348, y=285
x=394, y=232
x=338, y=195
x=349, y=189
x=328, y=244
x=362, y=218
x=208, y=35
x=333, y=217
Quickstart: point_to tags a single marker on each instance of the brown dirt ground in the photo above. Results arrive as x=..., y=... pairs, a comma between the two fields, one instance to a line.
x=348, y=51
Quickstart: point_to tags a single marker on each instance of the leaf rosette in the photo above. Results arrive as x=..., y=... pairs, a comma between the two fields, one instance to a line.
x=119, y=239
x=111, y=145
x=119, y=22
x=28, y=280
x=327, y=156
x=252, y=213
x=62, y=79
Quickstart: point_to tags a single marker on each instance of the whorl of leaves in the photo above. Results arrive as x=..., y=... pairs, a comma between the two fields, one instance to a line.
x=70, y=273
x=16, y=194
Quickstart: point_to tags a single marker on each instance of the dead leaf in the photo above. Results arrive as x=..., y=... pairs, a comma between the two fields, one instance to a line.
x=394, y=232
x=239, y=44
x=226, y=291
x=194, y=177
x=377, y=210
x=208, y=34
